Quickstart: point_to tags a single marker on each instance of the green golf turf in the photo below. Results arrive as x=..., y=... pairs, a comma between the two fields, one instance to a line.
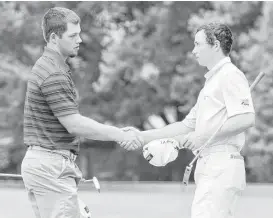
x=125, y=200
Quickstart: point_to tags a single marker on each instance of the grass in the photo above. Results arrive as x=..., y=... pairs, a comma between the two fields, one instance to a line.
x=149, y=200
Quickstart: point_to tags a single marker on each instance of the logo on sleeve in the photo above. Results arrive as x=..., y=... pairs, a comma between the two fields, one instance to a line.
x=245, y=102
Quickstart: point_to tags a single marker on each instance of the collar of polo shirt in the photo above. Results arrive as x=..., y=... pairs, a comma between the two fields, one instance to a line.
x=215, y=69
x=56, y=57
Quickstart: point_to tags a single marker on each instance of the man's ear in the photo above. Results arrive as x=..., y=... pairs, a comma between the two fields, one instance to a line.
x=217, y=45
x=53, y=38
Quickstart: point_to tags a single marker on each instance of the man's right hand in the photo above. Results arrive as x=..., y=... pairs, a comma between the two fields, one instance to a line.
x=132, y=139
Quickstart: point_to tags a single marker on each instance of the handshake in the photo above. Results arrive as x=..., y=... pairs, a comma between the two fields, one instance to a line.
x=132, y=139
x=160, y=151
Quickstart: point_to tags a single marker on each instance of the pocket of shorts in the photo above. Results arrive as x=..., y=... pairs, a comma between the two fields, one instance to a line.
x=70, y=170
x=237, y=174
x=215, y=166
x=200, y=168
x=54, y=166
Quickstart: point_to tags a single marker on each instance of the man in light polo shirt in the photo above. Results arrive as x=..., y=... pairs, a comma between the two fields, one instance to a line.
x=225, y=98
x=53, y=124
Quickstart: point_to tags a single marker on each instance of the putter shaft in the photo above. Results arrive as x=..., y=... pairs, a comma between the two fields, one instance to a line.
x=10, y=175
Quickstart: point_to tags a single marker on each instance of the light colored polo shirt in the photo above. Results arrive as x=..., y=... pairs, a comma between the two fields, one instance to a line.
x=226, y=93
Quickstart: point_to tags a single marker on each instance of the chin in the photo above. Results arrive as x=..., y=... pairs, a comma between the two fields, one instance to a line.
x=73, y=55
x=200, y=63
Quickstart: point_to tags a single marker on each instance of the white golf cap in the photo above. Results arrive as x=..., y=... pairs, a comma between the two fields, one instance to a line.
x=161, y=152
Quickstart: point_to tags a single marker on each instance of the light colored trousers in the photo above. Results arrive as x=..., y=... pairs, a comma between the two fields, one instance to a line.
x=51, y=181
x=220, y=180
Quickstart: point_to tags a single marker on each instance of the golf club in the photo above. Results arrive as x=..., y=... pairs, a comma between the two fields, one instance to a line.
x=94, y=179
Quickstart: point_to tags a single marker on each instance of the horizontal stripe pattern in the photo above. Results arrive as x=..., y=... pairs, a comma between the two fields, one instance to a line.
x=51, y=93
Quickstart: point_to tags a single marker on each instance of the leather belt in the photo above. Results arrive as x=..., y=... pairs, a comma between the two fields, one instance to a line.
x=66, y=153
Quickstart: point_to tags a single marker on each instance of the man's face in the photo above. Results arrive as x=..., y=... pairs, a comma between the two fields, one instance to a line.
x=70, y=41
x=202, y=51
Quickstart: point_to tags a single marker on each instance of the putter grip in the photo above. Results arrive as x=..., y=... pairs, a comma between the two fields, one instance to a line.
x=257, y=80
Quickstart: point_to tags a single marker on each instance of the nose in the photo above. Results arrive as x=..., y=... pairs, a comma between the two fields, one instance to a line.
x=79, y=40
x=194, y=51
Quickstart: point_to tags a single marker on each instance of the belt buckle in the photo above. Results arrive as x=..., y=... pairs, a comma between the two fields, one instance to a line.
x=72, y=156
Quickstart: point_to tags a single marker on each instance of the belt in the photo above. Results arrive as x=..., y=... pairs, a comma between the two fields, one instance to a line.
x=231, y=149
x=232, y=156
x=220, y=148
x=66, y=153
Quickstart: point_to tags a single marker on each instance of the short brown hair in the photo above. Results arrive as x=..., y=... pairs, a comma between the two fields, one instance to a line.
x=55, y=21
x=217, y=31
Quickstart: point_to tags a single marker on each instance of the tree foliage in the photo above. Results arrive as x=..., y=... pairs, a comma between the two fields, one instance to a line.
x=135, y=68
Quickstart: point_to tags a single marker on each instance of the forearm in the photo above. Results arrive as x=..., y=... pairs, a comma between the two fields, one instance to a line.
x=168, y=131
x=94, y=130
x=236, y=125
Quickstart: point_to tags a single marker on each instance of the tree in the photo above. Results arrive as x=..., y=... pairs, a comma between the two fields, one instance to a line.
x=150, y=70
x=257, y=56
x=135, y=68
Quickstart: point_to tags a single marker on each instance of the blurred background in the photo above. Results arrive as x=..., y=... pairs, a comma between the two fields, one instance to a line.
x=135, y=69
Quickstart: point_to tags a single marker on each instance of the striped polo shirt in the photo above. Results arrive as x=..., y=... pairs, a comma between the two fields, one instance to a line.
x=50, y=94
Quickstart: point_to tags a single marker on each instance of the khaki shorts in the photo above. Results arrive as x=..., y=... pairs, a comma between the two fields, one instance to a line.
x=220, y=180
x=51, y=181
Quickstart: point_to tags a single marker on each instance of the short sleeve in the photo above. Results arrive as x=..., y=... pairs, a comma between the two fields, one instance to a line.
x=60, y=95
x=236, y=94
x=190, y=119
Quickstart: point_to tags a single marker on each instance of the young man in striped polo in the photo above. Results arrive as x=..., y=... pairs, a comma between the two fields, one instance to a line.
x=53, y=124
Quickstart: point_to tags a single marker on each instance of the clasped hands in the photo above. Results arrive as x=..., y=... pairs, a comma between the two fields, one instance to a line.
x=132, y=139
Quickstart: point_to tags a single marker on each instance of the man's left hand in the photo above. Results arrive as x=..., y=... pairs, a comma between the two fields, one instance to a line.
x=192, y=141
